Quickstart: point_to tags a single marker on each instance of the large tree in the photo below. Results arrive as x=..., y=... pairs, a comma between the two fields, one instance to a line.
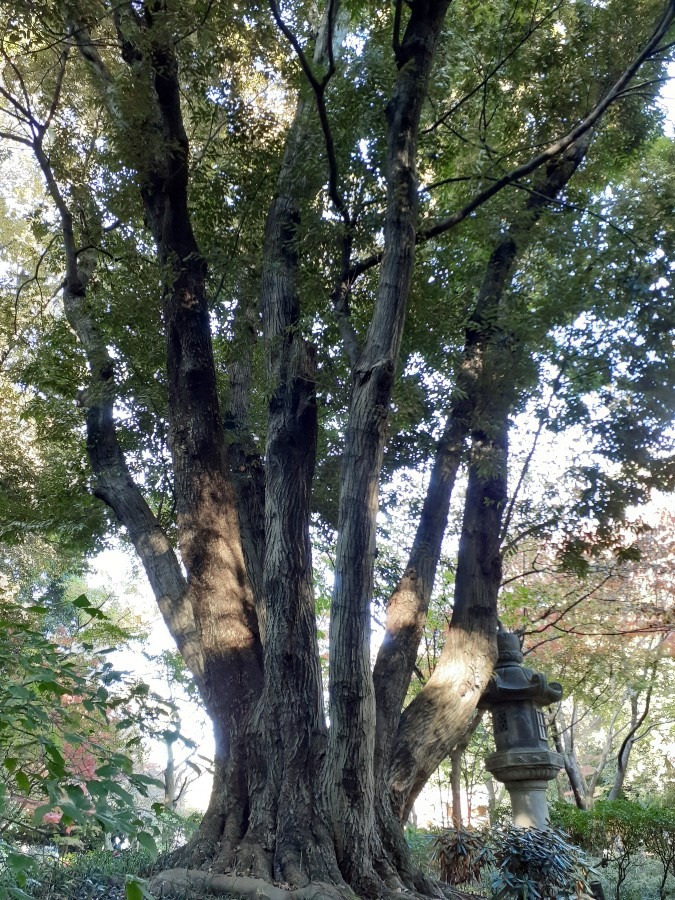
x=298, y=251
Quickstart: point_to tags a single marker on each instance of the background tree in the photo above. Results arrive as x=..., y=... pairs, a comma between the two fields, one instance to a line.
x=618, y=608
x=68, y=729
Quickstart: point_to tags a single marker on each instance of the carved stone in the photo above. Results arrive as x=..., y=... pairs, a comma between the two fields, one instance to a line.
x=523, y=761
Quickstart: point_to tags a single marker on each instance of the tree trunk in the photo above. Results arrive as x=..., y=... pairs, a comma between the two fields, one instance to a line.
x=349, y=774
x=564, y=746
x=487, y=369
x=637, y=720
x=456, y=784
x=170, y=774
x=293, y=801
x=456, y=758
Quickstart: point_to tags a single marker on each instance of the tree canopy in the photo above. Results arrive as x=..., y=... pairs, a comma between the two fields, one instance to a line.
x=262, y=262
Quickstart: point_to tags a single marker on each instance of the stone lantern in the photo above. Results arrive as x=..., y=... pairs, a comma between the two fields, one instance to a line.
x=523, y=762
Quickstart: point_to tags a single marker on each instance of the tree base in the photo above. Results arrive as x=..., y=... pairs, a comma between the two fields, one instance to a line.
x=182, y=884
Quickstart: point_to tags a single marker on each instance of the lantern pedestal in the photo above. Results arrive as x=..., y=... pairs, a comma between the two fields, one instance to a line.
x=525, y=775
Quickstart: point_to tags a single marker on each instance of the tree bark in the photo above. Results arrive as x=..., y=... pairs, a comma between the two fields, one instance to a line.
x=430, y=726
x=287, y=837
x=351, y=745
x=564, y=746
x=292, y=802
x=408, y=605
x=246, y=463
x=217, y=590
x=637, y=720
x=170, y=774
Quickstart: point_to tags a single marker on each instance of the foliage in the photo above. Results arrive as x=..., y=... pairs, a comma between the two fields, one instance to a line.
x=606, y=634
x=534, y=864
x=519, y=863
x=542, y=290
x=421, y=844
x=175, y=829
x=621, y=831
x=62, y=774
x=93, y=875
x=462, y=855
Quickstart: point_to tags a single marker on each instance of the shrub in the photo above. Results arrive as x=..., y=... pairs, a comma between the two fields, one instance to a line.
x=622, y=831
x=421, y=844
x=537, y=864
x=462, y=855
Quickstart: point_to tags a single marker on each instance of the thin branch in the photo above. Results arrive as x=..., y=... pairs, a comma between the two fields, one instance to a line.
x=319, y=89
x=517, y=538
x=195, y=28
x=543, y=418
x=8, y=136
x=22, y=114
x=560, y=145
x=493, y=71
x=33, y=278
x=340, y=301
x=552, y=150
x=629, y=740
x=563, y=204
x=26, y=96
x=63, y=61
x=585, y=210
x=396, y=36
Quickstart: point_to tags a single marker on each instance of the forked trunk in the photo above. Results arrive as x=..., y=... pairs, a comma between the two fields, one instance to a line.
x=294, y=802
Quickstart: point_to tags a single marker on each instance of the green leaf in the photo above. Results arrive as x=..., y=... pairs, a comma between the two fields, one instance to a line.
x=11, y=763
x=147, y=841
x=56, y=763
x=52, y=687
x=139, y=778
x=19, y=692
x=70, y=811
x=77, y=796
x=23, y=782
x=136, y=890
x=41, y=811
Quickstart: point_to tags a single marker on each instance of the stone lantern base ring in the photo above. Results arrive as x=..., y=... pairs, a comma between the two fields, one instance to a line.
x=524, y=765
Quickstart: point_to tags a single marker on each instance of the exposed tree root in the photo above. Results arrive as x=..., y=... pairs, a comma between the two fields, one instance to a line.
x=190, y=883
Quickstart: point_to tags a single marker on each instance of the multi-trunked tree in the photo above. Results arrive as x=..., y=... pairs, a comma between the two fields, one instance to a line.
x=242, y=188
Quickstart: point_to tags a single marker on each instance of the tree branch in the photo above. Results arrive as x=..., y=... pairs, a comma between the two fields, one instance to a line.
x=319, y=89
x=551, y=151
x=494, y=70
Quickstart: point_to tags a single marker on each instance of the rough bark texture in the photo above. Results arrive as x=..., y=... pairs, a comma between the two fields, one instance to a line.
x=293, y=801
x=246, y=463
x=287, y=837
x=487, y=385
x=208, y=524
x=408, y=606
x=350, y=776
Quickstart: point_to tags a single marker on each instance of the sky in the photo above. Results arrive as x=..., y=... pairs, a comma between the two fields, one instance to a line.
x=116, y=570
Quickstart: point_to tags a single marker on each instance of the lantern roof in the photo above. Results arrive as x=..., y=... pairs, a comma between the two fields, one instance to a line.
x=512, y=681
